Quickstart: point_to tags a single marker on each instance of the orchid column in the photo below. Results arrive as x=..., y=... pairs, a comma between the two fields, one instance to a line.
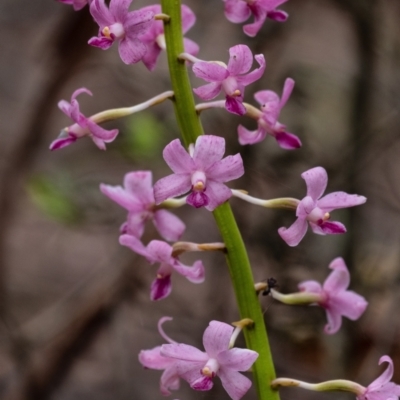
x=238, y=262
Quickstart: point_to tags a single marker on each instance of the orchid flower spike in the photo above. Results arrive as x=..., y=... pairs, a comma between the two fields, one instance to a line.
x=116, y=23
x=238, y=11
x=202, y=172
x=82, y=126
x=315, y=209
x=137, y=197
x=335, y=298
x=217, y=360
x=382, y=388
x=267, y=120
x=76, y=4
x=232, y=79
x=154, y=360
x=154, y=38
x=158, y=251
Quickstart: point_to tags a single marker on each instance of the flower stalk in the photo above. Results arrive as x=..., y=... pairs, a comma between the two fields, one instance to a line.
x=237, y=258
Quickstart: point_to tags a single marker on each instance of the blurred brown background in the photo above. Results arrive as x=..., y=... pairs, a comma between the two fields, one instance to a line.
x=75, y=308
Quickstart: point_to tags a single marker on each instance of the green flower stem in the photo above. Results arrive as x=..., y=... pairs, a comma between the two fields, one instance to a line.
x=238, y=262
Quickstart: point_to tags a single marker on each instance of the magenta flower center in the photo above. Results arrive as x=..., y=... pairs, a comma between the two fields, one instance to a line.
x=211, y=368
x=114, y=31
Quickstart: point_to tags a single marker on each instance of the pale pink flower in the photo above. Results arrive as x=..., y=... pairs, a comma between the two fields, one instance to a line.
x=335, y=298
x=238, y=11
x=217, y=360
x=315, y=210
x=118, y=24
x=154, y=37
x=271, y=106
x=161, y=252
x=202, y=172
x=232, y=79
x=137, y=197
x=82, y=126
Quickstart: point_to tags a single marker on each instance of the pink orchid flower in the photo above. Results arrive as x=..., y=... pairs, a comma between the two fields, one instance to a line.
x=335, y=298
x=158, y=251
x=76, y=4
x=202, y=172
x=82, y=126
x=381, y=388
x=315, y=209
x=238, y=11
x=154, y=38
x=271, y=106
x=137, y=198
x=232, y=79
x=116, y=23
x=154, y=360
x=217, y=360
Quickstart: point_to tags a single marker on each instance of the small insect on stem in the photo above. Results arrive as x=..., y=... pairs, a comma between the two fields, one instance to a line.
x=271, y=283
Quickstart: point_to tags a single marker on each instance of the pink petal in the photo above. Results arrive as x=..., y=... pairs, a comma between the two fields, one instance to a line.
x=169, y=380
x=335, y=200
x=293, y=235
x=254, y=75
x=99, y=143
x=194, y=274
x=278, y=15
x=101, y=42
x=288, y=141
x=385, y=377
x=137, y=23
x=101, y=13
x=154, y=360
x=305, y=207
x=168, y=225
x=339, y=278
x=217, y=194
x=139, y=184
x=229, y=168
x=209, y=91
x=334, y=321
x=287, y=91
x=190, y=47
x=134, y=244
x=160, y=288
x=216, y=338
x=177, y=158
x=100, y=133
x=61, y=143
x=135, y=224
x=171, y=186
x=310, y=287
x=259, y=18
x=348, y=303
x=131, y=51
x=270, y=108
x=64, y=106
x=235, y=106
x=190, y=371
x=251, y=137
x=210, y=71
x=235, y=384
x=188, y=18
x=316, y=181
x=121, y=197
x=159, y=251
x=119, y=9
x=236, y=11
x=240, y=60
x=150, y=57
x=208, y=150
x=203, y=383
x=237, y=359
x=332, y=228
x=183, y=352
